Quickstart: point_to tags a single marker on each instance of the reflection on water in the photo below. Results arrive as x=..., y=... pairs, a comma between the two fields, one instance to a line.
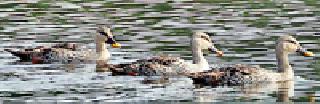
x=245, y=30
x=44, y=83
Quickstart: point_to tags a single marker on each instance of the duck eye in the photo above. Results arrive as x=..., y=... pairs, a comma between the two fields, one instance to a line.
x=205, y=38
x=293, y=42
x=103, y=33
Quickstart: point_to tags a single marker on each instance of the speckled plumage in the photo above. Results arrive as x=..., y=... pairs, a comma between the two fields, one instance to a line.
x=231, y=75
x=163, y=65
x=156, y=66
x=61, y=53
x=243, y=74
x=160, y=66
x=68, y=52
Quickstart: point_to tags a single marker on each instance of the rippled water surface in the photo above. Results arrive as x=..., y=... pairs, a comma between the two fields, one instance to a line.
x=246, y=30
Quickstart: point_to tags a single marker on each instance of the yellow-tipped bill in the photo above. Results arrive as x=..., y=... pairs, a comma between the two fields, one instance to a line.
x=216, y=51
x=116, y=45
x=219, y=53
x=304, y=52
x=308, y=54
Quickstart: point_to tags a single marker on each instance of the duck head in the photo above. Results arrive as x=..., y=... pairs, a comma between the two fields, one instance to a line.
x=105, y=34
x=289, y=44
x=205, y=42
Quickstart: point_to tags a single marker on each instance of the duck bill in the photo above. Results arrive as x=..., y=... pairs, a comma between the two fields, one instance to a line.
x=216, y=51
x=113, y=43
x=304, y=52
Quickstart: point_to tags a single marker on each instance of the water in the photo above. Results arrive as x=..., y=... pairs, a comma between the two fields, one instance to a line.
x=245, y=30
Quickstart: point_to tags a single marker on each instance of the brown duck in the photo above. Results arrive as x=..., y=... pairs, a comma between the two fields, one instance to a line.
x=169, y=66
x=68, y=52
x=242, y=74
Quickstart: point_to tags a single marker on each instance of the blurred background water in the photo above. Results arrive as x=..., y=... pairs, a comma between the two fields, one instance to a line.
x=246, y=30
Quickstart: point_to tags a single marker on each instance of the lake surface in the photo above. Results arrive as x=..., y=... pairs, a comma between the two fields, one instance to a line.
x=246, y=30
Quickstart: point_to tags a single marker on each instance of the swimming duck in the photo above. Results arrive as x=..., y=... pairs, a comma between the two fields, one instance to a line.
x=68, y=52
x=163, y=65
x=241, y=74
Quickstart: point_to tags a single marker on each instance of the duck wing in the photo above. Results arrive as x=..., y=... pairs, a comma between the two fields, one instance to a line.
x=40, y=55
x=156, y=66
x=27, y=55
x=231, y=76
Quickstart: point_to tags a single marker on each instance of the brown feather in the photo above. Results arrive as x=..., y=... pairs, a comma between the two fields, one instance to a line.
x=39, y=53
x=234, y=75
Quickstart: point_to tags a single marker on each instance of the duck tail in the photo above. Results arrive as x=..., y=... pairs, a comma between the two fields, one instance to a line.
x=11, y=51
x=24, y=56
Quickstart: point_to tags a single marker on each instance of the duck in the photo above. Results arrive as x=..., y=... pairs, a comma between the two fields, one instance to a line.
x=244, y=74
x=170, y=66
x=69, y=52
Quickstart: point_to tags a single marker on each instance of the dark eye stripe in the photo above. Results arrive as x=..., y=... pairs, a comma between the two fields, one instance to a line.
x=205, y=38
x=291, y=41
x=103, y=33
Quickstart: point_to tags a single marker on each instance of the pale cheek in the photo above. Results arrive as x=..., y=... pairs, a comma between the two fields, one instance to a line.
x=286, y=47
x=205, y=45
x=290, y=47
x=100, y=37
x=294, y=48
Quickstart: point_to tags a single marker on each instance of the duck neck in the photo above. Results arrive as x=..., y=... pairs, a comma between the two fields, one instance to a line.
x=100, y=47
x=197, y=56
x=283, y=63
x=102, y=52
